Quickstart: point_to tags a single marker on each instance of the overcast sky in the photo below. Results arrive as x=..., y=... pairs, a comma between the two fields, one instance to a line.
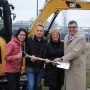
x=26, y=9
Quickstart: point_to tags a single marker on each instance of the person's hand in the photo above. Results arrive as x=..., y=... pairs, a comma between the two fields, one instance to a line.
x=57, y=60
x=33, y=58
x=19, y=55
x=48, y=61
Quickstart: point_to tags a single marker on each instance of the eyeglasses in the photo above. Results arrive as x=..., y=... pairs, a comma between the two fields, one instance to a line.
x=22, y=35
x=71, y=27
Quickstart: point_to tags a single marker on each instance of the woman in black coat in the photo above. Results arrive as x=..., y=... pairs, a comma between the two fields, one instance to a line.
x=54, y=77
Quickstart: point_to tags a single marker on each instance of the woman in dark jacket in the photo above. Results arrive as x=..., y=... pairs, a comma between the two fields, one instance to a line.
x=54, y=77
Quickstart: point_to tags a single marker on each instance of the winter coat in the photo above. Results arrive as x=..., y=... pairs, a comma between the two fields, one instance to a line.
x=37, y=48
x=54, y=76
x=75, y=76
x=11, y=62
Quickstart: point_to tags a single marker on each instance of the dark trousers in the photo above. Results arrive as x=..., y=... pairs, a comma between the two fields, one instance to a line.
x=13, y=80
x=54, y=88
x=59, y=83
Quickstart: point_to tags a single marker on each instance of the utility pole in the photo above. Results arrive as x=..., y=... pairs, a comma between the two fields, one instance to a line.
x=64, y=13
x=37, y=8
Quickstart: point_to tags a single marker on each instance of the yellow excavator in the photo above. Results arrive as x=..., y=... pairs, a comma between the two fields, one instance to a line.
x=50, y=7
x=55, y=6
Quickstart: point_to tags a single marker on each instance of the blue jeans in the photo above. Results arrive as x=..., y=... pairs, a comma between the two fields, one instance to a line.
x=34, y=78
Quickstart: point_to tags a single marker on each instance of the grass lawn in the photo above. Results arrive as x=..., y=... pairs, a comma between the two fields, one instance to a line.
x=87, y=81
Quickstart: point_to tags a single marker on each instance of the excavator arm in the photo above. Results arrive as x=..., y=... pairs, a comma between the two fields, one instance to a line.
x=53, y=6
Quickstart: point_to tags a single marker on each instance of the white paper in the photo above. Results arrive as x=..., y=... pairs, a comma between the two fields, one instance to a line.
x=63, y=64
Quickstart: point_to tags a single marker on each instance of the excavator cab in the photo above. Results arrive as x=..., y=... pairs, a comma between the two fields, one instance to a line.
x=5, y=28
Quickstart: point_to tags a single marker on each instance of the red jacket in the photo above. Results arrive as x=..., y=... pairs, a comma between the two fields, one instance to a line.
x=11, y=62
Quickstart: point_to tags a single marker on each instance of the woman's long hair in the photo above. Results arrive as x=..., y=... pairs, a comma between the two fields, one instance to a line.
x=53, y=31
x=19, y=30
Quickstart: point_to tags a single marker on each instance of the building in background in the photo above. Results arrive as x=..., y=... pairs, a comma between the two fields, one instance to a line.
x=21, y=24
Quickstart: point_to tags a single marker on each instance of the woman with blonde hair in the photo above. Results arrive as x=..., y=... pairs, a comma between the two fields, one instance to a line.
x=54, y=77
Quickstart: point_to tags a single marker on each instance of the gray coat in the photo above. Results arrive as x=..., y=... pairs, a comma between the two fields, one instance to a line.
x=75, y=78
